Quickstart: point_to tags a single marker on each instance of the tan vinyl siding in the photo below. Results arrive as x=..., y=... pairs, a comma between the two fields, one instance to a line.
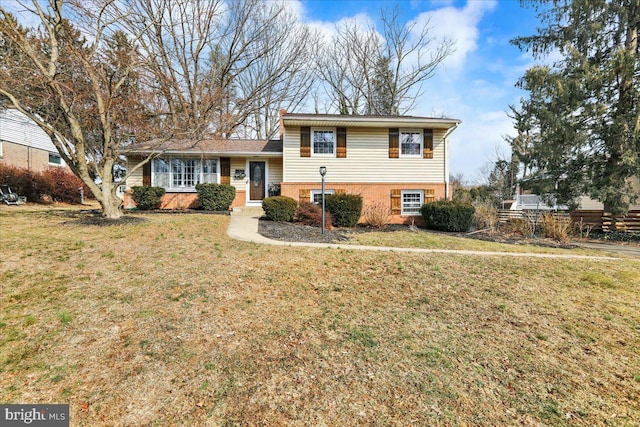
x=135, y=179
x=275, y=171
x=367, y=160
x=238, y=163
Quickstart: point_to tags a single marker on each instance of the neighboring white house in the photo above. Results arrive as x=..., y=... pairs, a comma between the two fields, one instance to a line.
x=23, y=144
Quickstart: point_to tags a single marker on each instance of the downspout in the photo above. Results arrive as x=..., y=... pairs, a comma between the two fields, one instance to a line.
x=446, y=160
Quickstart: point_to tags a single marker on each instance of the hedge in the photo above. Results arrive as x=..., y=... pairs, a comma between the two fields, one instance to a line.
x=345, y=209
x=279, y=208
x=447, y=215
x=147, y=197
x=215, y=197
x=311, y=214
x=53, y=184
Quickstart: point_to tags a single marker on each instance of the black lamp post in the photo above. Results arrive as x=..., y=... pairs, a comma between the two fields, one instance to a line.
x=323, y=172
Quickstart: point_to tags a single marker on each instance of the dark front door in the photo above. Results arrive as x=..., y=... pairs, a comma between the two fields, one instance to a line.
x=256, y=180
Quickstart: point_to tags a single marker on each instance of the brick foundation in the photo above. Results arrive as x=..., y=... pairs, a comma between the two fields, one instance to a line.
x=180, y=201
x=371, y=193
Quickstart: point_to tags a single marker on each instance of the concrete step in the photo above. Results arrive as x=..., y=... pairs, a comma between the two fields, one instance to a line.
x=252, y=211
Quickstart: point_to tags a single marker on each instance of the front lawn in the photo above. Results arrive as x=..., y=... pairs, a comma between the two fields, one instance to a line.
x=438, y=240
x=163, y=320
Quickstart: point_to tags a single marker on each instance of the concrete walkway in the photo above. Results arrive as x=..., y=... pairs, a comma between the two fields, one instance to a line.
x=244, y=226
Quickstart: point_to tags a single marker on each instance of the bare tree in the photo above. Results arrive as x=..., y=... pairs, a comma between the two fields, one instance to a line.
x=366, y=72
x=222, y=67
x=79, y=84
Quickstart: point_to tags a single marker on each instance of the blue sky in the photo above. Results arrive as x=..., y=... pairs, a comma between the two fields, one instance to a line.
x=475, y=84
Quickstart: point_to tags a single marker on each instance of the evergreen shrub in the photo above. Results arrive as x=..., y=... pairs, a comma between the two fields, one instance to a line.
x=279, y=208
x=345, y=209
x=215, y=197
x=147, y=197
x=447, y=215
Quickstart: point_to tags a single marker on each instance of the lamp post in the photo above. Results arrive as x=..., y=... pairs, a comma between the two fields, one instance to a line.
x=323, y=172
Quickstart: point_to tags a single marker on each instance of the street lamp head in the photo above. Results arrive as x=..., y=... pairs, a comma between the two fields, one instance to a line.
x=323, y=171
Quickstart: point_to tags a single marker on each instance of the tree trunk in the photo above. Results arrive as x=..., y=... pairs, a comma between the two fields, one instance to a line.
x=111, y=204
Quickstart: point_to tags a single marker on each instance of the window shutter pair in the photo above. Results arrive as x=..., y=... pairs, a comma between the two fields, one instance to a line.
x=394, y=143
x=305, y=142
x=225, y=170
x=427, y=145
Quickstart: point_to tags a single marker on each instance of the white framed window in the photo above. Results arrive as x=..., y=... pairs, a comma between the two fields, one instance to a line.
x=174, y=173
x=316, y=195
x=411, y=143
x=55, y=159
x=412, y=201
x=323, y=142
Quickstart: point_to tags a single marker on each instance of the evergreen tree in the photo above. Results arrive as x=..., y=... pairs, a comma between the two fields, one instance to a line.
x=584, y=131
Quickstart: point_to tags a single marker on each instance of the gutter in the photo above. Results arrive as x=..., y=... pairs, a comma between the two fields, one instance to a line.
x=446, y=160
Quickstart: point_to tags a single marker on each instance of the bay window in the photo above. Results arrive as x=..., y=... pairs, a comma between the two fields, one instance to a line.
x=183, y=174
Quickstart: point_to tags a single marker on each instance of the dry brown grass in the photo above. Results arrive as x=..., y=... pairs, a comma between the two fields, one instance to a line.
x=165, y=321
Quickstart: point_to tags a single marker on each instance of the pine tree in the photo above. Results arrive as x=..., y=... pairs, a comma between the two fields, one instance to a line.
x=584, y=110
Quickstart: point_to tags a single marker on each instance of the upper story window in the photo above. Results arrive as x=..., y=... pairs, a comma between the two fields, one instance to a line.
x=411, y=143
x=55, y=159
x=180, y=173
x=323, y=142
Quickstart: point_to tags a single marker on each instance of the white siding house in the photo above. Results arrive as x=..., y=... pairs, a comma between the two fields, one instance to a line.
x=24, y=144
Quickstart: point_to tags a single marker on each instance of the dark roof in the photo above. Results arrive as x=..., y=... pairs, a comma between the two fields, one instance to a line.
x=213, y=146
x=360, y=117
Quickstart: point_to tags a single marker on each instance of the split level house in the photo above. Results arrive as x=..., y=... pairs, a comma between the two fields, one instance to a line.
x=398, y=163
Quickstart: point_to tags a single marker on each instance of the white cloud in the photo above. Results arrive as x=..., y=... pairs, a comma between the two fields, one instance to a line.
x=477, y=140
x=459, y=26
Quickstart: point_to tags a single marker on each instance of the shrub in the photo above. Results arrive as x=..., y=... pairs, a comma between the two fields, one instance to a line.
x=521, y=226
x=54, y=183
x=485, y=215
x=147, y=197
x=446, y=215
x=61, y=185
x=214, y=197
x=22, y=181
x=345, y=209
x=279, y=208
x=377, y=214
x=556, y=227
x=311, y=214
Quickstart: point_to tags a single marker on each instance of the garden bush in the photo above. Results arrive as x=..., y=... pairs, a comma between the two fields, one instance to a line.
x=377, y=214
x=53, y=184
x=279, y=208
x=147, y=197
x=446, y=215
x=61, y=185
x=214, y=197
x=311, y=214
x=485, y=215
x=556, y=227
x=345, y=209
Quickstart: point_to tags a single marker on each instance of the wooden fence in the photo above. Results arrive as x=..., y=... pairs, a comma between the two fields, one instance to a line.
x=606, y=221
x=598, y=220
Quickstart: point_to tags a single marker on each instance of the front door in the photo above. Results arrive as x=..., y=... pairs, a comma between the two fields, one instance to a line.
x=257, y=172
